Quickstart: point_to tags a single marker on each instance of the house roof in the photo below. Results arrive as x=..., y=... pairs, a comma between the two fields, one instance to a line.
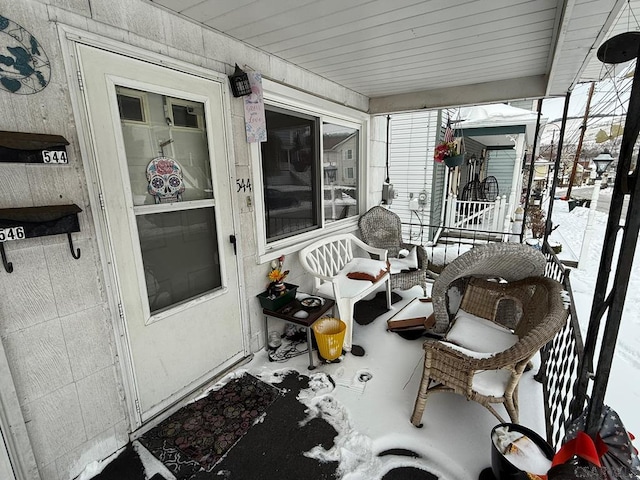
x=495, y=124
x=413, y=54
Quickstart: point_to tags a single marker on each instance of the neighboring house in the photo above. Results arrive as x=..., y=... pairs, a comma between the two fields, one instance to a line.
x=495, y=138
x=419, y=182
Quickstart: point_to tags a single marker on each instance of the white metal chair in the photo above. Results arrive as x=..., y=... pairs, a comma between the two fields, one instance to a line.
x=332, y=261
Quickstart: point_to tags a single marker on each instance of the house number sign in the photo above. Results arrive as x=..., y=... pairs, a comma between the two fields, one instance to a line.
x=11, y=233
x=55, y=156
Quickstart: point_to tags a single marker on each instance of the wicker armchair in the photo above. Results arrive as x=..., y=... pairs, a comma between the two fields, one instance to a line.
x=381, y=228
x=508, y=261
x=470, y=361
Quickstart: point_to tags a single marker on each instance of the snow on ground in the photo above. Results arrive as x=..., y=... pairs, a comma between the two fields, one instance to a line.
x=455, y=441
x=623, y=390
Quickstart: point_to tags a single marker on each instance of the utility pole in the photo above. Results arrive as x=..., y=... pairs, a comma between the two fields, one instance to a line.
x=583, y=128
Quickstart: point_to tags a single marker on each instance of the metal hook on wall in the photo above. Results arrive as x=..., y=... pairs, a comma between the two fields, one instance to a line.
x=8, y=266
x=74, y=253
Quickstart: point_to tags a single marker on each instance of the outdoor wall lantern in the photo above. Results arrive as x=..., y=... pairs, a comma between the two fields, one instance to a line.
x=240, y=85
x=602, y=162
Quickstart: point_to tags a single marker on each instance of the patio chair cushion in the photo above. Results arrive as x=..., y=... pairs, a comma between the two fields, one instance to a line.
x=479, y=334
x=365, y=269
x=410, y=262
x=491, y=383
x=347, y=286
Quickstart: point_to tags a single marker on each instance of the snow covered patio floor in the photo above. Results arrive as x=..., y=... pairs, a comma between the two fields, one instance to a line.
x=373, y=417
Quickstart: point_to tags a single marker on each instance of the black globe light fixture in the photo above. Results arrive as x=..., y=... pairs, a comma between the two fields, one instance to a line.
x=602, y=162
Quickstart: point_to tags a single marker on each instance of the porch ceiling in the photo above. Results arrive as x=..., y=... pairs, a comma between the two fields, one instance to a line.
x=414, y=54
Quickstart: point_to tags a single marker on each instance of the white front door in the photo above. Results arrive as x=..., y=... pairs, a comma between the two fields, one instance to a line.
x=160, y=147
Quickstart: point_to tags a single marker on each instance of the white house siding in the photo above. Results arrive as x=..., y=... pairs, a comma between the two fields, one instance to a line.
x=500, y=165
x=56, y=324
x=411, y=167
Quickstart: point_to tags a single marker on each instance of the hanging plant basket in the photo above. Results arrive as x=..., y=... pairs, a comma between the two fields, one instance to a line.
x=454, y=161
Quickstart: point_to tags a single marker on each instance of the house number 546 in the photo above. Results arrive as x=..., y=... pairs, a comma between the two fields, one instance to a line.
x=12, y=233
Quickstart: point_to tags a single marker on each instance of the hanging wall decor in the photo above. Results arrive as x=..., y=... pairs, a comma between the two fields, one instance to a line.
x=166, y=184
x=24, y=65
x=254, y=117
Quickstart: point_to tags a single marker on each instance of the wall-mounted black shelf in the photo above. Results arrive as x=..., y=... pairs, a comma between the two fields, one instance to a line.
x=40, y=222
x=21, y=147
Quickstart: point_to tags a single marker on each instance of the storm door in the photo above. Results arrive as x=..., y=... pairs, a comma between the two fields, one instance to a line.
x=163, y=167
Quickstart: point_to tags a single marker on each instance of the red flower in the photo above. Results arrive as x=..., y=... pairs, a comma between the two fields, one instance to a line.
x=444, y=150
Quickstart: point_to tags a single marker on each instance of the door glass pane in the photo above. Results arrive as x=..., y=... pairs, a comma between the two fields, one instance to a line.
x=289, y=165
x=168, y=163
x=340, y=157
x=155, y=126
x=180, y=255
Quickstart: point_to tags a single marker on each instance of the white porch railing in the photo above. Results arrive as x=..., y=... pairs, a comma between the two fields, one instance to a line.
x=476, y=215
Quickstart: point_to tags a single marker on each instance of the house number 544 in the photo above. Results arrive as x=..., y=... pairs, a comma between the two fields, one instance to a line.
x=243, y=185
x=54, y=156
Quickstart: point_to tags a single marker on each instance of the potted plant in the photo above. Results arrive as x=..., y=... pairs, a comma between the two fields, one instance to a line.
x=448, y=150
x=277, y=293
x=276, y=277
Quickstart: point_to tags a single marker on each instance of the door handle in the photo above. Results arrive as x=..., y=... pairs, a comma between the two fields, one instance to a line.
x=232, y=239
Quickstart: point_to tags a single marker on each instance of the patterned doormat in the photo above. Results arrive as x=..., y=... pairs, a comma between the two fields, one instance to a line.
x=198, y=435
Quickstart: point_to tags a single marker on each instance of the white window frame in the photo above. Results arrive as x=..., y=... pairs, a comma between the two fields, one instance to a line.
x=279, y=95
x=144, y=104
x=349, y=172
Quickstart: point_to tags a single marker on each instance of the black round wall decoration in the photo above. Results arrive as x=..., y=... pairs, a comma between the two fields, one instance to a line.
x=24, y=66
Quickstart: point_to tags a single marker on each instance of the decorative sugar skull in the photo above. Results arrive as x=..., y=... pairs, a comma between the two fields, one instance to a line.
x=165, y=180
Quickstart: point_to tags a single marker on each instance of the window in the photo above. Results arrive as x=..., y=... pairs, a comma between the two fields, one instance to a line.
x=305, y=187
x=130, y=106
x=184, y=116
x=339, y=144
x=290, y=174
x=172, y=196
x=305, y=183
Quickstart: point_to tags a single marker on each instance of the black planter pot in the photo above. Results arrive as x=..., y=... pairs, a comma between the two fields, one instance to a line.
x=454, y=161
x=502, y=468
